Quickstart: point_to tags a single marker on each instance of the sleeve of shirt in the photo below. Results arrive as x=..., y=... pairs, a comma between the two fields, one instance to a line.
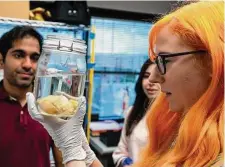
x=51, y=142
x=121, y=151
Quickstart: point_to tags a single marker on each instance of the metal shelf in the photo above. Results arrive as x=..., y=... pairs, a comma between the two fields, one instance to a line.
x=40, y=24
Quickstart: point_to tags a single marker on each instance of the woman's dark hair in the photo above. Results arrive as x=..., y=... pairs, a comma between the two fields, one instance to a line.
x=18, y=32
x=141, y=101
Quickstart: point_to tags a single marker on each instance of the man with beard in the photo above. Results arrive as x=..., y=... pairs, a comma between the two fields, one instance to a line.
x=23, y=142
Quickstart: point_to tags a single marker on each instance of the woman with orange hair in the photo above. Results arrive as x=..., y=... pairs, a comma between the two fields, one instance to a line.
x=186, y=121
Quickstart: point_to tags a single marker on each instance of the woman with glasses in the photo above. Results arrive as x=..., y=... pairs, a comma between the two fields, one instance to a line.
x=186, y=121
x=134, y=134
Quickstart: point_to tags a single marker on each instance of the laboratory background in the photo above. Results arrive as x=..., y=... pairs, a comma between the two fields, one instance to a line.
x=115, y=35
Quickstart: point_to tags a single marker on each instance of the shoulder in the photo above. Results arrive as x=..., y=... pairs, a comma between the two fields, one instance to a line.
x=219, y=162
x=128, y=111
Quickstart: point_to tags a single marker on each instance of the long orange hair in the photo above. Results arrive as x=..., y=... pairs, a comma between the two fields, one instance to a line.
x=195, y=139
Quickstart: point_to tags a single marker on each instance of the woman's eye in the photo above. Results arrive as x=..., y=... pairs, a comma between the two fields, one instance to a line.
x=146, y=76
x=167, y=61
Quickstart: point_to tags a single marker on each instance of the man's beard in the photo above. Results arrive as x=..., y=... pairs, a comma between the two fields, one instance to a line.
x=22, y=85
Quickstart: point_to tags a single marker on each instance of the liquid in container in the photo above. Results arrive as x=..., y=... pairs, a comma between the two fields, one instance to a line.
x=61, y=67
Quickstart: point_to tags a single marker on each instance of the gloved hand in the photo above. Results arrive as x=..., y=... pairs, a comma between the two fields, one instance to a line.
x=90, y=154
x=68, y=135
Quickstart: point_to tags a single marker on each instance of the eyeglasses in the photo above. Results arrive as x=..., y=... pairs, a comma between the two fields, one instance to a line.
x=161, y=59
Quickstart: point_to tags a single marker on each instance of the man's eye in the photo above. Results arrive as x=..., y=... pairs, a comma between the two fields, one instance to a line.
x=17, y=55
x=35, y=57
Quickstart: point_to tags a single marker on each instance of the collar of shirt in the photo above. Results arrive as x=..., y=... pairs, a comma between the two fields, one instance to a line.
x=23, y=113
x=3, y=93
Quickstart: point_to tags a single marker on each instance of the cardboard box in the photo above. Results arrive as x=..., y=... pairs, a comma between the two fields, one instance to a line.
x=15, y=9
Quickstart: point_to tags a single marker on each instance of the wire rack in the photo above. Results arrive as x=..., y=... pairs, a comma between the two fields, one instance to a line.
x=46, y=24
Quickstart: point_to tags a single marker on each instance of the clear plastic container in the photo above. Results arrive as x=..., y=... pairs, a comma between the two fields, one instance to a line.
x=61, y=67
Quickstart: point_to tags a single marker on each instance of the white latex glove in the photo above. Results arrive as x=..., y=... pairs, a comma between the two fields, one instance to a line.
x=90, y=154
x=67, y=134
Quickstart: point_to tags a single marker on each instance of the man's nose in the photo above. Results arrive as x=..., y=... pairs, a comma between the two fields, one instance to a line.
x=27, y=63
x=155, y=76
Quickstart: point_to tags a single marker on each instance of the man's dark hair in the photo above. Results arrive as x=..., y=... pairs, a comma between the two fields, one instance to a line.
x=17, y=33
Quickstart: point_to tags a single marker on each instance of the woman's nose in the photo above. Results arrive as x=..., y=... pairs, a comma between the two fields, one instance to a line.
x=155, y=76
